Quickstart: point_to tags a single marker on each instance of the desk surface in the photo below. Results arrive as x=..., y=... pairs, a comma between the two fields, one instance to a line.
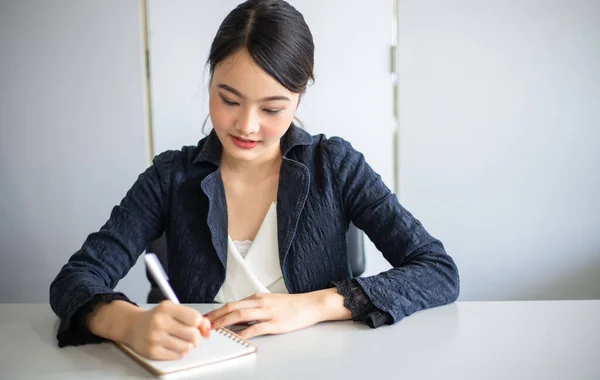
x=478, y=340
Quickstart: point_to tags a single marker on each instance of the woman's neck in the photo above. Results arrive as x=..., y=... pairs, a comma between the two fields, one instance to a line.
x=252, y=171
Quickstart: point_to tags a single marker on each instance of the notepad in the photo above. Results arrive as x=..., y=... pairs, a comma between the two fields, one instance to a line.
x=223, y=345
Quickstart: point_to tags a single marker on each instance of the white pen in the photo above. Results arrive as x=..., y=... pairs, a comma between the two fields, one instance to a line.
x=160, y=277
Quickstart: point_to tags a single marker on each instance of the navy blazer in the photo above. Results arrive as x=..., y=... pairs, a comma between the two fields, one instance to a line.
x=324, y=185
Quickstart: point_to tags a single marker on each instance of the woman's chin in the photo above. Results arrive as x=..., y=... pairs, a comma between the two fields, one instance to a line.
x=242, y=155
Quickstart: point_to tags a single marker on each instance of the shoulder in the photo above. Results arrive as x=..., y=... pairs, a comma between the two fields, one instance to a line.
x=179, y=162
x=331, y=151
x=183, y=156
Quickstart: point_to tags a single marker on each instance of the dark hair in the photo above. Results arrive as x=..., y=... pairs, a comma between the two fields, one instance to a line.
x=276, y=37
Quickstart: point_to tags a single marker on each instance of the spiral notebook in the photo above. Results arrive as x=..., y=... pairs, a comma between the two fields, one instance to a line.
x=222, y=345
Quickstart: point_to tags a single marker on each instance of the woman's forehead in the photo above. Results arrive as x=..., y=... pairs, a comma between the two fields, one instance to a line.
x=241, y=72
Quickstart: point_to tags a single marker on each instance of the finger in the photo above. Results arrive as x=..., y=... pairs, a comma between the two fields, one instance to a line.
x=205, y=327
x=176, y=344
x=247, y=303
x=187, y=333
x=186, y=315
x=258, y=329
x=242, y=315
x=163, y=353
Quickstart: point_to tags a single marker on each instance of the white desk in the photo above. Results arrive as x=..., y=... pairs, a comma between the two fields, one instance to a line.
x=482, y=340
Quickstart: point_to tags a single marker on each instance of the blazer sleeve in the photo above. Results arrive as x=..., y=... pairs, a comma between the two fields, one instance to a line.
x=423, y=274
x=107, y=255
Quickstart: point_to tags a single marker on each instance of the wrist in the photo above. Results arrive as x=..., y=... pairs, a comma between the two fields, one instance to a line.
x=114, y=320
x=330, y=305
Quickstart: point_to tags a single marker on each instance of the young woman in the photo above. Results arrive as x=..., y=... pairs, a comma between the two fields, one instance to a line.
x=255, y=216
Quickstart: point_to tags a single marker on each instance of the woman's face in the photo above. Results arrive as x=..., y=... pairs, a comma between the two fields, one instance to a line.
x=250, y=110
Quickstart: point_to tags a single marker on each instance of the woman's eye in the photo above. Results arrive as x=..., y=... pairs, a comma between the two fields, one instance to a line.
x=272, y=112
x=229, y=102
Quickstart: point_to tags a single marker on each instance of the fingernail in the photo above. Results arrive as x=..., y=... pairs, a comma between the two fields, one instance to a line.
x=212, y=325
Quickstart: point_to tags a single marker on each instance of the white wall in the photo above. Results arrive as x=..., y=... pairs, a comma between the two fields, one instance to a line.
x=499, y=115
x=351, y=97
x=500, y=141
x=72, y=133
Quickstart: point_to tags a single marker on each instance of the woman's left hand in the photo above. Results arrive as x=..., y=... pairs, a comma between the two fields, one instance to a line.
x=280, y=313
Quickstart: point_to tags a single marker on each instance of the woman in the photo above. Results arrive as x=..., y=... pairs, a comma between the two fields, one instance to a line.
x=255, y=215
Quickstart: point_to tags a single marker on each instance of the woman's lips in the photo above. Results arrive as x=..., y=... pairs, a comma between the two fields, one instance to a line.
x=244, y=144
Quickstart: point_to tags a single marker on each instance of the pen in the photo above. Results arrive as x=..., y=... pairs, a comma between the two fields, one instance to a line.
x=160, y=277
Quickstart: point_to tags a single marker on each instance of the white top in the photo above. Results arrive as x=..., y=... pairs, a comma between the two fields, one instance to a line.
x=253, y=266
x=243, y=246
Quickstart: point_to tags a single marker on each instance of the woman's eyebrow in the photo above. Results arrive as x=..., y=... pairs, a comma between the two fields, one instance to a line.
x=236, y=92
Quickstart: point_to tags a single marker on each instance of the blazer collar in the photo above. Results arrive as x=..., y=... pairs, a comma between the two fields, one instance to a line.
x=294, y=184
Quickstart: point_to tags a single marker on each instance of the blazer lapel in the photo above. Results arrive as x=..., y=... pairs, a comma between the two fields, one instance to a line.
x=294, y=181
x=212, y=185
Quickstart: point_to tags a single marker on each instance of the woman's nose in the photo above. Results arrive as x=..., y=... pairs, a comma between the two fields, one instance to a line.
x=247, y=123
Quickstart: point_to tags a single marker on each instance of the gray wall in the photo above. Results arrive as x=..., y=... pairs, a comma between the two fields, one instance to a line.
x=500, y=141
x=500, y=129
x=72, y=133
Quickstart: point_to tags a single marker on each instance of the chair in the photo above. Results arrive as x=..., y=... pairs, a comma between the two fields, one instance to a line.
x=354, y=239
x=356, y=250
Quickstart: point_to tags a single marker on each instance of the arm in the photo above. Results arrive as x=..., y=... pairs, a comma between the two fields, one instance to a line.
x=278, y=313
x=106, y=256
x=423, y=276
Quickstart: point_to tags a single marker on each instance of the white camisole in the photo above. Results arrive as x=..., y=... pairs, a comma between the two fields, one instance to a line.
x=253, y=266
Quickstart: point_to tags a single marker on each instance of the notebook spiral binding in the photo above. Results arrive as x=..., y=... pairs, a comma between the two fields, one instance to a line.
x=232, y=336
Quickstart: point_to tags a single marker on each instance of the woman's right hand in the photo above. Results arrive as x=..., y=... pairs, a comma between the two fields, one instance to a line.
x=166, y=332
